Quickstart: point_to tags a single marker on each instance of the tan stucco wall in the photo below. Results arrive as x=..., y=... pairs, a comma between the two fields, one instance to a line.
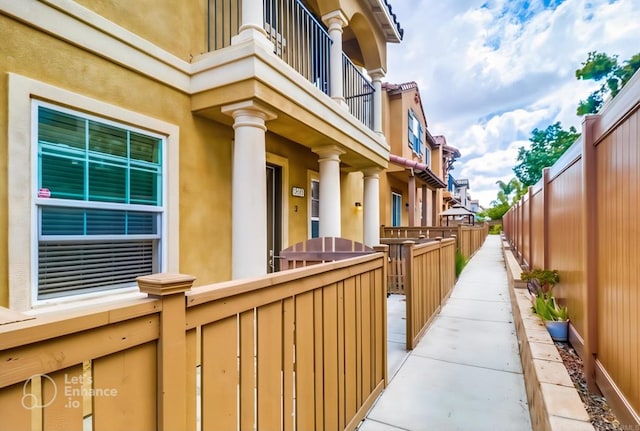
x=178, y=27
x=352, y=217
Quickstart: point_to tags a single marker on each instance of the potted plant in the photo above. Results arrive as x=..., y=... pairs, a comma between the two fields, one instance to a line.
x=540, y=281
x=555, y=316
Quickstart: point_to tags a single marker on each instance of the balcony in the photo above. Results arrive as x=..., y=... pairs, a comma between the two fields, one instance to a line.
x=291, y=74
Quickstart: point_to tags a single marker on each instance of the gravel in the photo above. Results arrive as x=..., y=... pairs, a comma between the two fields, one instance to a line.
x=601, y=415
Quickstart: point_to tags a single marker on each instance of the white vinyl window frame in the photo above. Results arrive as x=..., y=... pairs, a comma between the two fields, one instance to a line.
x=415, y=133
x=396, y=209
x=22, y=182
x=103, y=223
x=313, y=177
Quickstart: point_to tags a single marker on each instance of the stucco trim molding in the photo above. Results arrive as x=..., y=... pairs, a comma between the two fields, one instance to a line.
x=71, y=22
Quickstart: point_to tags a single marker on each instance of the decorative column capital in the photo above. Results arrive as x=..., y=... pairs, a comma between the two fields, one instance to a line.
x=249, y=113
x=371, y=173
x=335, y=20
x=377, y=74
x=328, y=152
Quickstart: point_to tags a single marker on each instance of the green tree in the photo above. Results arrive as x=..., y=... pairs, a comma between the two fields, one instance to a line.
x=546, y=147
x=602, y=67
x=508, y=195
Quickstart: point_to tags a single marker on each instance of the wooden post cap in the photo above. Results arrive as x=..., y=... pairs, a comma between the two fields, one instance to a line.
x=165, y=284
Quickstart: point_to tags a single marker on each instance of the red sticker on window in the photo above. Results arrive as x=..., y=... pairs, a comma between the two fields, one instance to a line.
x=44, y=193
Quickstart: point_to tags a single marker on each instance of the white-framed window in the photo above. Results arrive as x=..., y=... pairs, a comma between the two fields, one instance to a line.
x=28, y=204
x=396, y=209
x=99, y=206
x=415, y=134
x=314, y=208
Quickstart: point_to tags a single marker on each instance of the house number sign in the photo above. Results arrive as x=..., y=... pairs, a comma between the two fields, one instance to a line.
x=297, y=191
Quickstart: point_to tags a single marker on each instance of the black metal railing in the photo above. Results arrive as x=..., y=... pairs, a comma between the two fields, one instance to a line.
x=301, y=41
x=224, y=19
x=358, y=92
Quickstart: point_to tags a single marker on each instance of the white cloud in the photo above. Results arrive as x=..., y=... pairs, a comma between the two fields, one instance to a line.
x=492, y=71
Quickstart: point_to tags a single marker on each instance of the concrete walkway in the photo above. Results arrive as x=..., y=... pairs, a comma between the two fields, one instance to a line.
x=466, y=373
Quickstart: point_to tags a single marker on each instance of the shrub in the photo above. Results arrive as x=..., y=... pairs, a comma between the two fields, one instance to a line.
x=461, y=262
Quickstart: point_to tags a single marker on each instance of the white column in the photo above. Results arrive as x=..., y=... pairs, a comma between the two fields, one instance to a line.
x=412, y=198
x=376, y=79
x=425, y=206
x=249, y=190
x=335, y=21
x=371, y=207
x=330, y=213
x=252, y=25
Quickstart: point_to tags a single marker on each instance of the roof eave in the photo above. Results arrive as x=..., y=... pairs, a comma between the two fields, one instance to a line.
x=387, y=20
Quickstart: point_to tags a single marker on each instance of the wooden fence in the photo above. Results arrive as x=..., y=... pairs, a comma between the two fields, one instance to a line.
x=468, y=238
x=430, y=269
x=583, y=219
x=397, y=273
x=301, y=349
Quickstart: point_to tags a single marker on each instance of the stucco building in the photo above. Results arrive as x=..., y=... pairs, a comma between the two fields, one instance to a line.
x=199, y=137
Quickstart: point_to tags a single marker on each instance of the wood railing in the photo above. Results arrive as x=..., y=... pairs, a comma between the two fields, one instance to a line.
x=582, y=220
x=430, y=267
x=468, y=238
x=300, y=349
x=397, y=273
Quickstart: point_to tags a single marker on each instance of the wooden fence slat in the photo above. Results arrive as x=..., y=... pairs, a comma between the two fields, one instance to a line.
x=191, y=373
x=288, y=361
x=247, y=370
x=220, y=375
x=350, y=371
x=319, y=358
x=367, y=383
x=64, y=389
x=269, y=366
x=12, y=411
x=330, y=357
x=132, y=373
x=305, y=354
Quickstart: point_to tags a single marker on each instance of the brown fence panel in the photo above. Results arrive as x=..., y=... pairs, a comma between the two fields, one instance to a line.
x=526, y=226
x=618, y=262
x=536, y=259
x=300, y=349
x=566, y=252
x=470, y=239
x=96, y=367
x=431, y=274
x=447, y=268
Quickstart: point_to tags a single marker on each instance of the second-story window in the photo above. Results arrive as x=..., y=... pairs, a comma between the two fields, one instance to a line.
x=415, y=134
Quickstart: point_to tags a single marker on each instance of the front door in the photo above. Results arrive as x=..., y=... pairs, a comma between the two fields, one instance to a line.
x=274, y=216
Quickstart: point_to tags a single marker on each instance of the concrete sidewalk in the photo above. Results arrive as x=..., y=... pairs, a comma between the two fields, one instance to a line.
x=466, y=373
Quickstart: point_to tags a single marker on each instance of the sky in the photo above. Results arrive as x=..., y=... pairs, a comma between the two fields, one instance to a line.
x=489, y=72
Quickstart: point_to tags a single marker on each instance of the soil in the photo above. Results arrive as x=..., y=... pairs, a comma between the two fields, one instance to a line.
x=601, y=415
